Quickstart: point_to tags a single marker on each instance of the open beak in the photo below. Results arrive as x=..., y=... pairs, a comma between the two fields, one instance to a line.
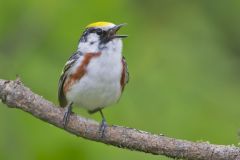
x=114, y=30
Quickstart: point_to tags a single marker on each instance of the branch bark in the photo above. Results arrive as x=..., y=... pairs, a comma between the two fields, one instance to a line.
x=15, y=95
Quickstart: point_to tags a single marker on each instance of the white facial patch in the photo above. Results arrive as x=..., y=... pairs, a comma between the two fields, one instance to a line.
x=91, y=45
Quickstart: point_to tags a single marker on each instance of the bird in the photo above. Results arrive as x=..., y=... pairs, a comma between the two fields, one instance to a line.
x=94, y=77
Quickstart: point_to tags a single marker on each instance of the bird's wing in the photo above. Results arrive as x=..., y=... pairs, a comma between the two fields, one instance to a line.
x=65, y=73
x=125, y=74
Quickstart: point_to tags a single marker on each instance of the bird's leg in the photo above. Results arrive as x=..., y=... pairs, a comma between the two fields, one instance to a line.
x=103, y=124
x=67, y=114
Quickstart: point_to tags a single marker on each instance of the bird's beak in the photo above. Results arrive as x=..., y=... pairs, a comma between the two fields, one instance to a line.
x=114, y=30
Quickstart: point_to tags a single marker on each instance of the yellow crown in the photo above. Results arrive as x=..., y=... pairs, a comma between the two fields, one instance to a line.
x=99, y=24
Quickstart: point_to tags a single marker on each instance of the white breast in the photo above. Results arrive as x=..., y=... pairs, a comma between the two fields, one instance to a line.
x=100, y=86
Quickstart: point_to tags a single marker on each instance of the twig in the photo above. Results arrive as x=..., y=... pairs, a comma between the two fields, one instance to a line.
x=15, y=95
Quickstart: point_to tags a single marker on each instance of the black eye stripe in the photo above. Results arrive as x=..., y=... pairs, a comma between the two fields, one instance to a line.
x=99, y=31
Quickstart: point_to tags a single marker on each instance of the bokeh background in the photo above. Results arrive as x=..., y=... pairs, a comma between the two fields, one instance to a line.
x=183, y=58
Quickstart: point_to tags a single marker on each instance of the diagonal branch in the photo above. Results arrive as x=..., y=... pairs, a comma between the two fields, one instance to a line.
x=15, y=95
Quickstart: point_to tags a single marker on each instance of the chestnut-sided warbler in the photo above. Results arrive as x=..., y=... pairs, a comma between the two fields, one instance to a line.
x=94, y=77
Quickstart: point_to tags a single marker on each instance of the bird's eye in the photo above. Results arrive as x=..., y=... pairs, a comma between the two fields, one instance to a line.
x=99, y=31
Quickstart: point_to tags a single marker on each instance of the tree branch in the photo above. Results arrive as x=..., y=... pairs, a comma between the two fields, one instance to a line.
x=15, y=95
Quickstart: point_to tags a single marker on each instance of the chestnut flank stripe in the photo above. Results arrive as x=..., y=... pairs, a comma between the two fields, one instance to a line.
x=122, y=81
x=81, y=70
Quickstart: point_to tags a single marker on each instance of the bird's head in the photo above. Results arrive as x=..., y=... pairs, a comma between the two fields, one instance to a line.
x=100, y=33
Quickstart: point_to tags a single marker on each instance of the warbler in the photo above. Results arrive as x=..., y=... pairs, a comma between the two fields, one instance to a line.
x=95, y=75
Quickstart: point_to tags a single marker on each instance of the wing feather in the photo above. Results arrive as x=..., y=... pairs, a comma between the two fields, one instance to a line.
x=125, y=73
x=65, y=73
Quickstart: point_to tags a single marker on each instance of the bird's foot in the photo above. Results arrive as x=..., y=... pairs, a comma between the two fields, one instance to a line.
x=67, y=114
x=102, y=128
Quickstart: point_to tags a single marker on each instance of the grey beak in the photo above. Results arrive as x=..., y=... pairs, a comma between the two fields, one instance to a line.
x=116, y=28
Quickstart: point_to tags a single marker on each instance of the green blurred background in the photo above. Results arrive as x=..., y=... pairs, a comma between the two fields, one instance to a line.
x=183, y=58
